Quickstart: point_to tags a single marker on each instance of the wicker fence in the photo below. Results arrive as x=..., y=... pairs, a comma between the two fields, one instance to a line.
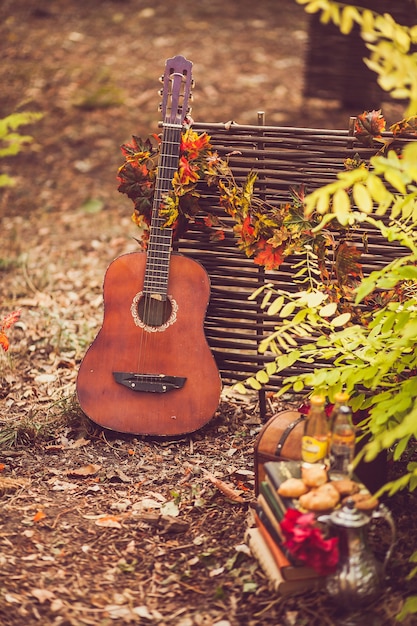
x=284, y=157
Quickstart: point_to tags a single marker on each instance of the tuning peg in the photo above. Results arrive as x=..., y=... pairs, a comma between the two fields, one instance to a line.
x=161, y=78
x=160, y=107
x=192, y=83
x=160, y=92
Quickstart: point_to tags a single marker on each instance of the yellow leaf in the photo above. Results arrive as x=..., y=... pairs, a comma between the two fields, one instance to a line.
x=367, y=22
x=350, y=15
x=341, y=320
x=322, y=203
x=328, y=310
x=315, y=298
x=287, y=309
x=376, y=188
x=240, y=388
x=275, y=306
x=395, y=179
x=362, y=198
x=341, y=206
x=262, y=377
x=252, y=382
x=298, y=386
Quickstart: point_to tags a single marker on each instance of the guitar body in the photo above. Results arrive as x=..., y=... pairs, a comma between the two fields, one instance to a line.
x=177, y=348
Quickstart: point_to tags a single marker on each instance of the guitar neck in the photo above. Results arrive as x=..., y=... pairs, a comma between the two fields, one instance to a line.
x=160, y=237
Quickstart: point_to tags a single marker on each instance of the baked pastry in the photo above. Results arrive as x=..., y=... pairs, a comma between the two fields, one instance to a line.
x=346, y=486
x=314, y=475
x=322, y=498
x=292, y=488
x=364, y=501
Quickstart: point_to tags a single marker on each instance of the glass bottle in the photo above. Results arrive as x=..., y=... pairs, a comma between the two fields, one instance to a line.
x=314, y=442
x=342, y=444
x=340, y=398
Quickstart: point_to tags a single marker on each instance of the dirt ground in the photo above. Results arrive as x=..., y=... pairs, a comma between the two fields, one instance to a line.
x=97, y=528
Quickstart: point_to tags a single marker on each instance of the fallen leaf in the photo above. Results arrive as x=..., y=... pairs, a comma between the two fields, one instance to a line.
x=115, y=474
x=172, y=525
x=45, y=378
x=229, y=492
x=216, y=572
x=78, y=443
x=145, y=504
x=40, y=515
x=170, y=508
x=42, y=595
x=109, y=521
x=86, y=470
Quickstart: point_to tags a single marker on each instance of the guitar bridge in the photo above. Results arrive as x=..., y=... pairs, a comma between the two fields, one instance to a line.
x=150, y=383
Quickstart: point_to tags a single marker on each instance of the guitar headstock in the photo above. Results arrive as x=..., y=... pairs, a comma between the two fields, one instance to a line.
x=176, y=92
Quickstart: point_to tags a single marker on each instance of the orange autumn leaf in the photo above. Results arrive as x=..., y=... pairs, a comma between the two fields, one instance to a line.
x=368, y=126
x=4, y=342
x=40, y=515
x=268, y=256
x=2, y=466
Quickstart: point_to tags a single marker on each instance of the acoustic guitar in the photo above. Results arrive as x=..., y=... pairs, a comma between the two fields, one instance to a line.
x=150, y=370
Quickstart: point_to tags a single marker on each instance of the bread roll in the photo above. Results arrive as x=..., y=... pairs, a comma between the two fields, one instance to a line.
x=292, y=488
x=322, y=498
x=345, y=486
x=314, y=475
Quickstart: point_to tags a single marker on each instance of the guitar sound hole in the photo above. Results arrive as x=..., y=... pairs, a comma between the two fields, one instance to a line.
x=154, y=311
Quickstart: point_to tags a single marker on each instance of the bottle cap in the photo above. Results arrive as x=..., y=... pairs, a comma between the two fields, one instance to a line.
x=341, y=397
x=317, y=399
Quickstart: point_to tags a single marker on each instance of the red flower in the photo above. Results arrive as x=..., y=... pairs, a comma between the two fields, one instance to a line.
x=306, y=543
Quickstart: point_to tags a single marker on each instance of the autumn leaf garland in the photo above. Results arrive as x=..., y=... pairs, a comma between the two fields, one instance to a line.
x=268, y=234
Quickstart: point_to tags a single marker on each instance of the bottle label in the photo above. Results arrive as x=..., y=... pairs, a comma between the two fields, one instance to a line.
x=313, y=449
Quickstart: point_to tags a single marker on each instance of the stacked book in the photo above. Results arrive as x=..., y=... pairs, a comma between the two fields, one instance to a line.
x=266, y=539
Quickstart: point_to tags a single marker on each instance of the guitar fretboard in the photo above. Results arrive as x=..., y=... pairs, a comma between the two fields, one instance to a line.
x=160, y=238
